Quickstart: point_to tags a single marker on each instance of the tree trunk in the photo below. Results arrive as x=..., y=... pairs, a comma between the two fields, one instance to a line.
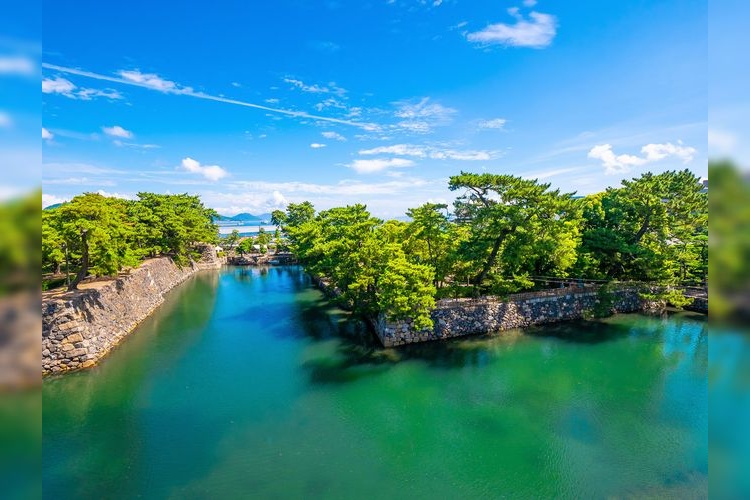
x=83, y=272
x=643, y=229
x=490, y=262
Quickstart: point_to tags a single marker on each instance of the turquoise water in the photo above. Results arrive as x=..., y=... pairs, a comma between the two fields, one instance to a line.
x=247, y=384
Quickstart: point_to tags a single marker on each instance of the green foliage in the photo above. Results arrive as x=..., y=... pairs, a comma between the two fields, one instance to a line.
x=605, y=301
x=504, y=231
x=729, y=245
x=278, y=218
x=433, y=240
x=653, y=228
x=406, y=292
x=230, y=240
x=103, y=235
x=19, y=244
x=516, y=227
x=364, y=258
x=263, y=238
x=172, y=225
x=245, y=246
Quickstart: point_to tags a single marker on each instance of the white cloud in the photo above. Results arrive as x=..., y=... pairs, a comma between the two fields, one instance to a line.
x=57, y=85
x=390, y=197
x=397, y=149
x=378, y=165
x=62, y=86
x=17, y=65
x=117, y=131
x=123, y=196
x=529, y=3
x=272, y=100
x=333, y=136
x=495, y=123
x=434, y=152
x=88, y=94
x=617, y=164
x=134, y=145
x=154, y=82
x=77, y=181
x=451, y=154
x=210, y=172
x=331, y=88
x=47, y=135
x=317, y=145
x=51, y=199
x=422, y=116
x=537, y=32
x=345, y=187
x=236, y=84
x=656, y=152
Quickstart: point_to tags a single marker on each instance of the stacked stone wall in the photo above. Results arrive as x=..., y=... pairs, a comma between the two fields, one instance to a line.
x=456, y=318
x=79, y=328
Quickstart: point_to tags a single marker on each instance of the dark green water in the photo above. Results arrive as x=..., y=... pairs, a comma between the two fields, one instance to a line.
x=246, y=384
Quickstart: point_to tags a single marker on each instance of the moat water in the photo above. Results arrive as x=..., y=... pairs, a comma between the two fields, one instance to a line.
x=248, y=384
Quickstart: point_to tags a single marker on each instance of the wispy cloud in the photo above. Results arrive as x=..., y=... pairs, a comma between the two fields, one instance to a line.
x=388, y=198
x=47, y=135
x=422, y=116
x=335, y=136
x=494, y=124
x=317, y=145
x=537, y=31
x=434, y=152
x=330, y=88
x=378, y=165
x=77, y=181
x=62, y=86
x=117, y=131
x=210, y=172
x=135, y=145
x=617, y=164
x=546, y=174
x=154, y=82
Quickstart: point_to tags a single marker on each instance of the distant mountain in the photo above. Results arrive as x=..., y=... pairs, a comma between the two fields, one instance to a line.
x=245, y=217
x=52, y=207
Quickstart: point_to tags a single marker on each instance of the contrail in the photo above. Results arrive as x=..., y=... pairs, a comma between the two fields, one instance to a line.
x=201, y=95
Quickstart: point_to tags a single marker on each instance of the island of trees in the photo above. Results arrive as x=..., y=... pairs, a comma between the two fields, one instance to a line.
x=501, y=234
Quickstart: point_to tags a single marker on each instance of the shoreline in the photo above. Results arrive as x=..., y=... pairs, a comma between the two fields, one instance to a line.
x=80, y=328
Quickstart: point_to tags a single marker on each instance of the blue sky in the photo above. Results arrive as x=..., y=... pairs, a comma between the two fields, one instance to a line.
x=253, y=105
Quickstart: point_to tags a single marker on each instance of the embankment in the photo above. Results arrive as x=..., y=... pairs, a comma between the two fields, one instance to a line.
x=459, y=317
x=79, y=328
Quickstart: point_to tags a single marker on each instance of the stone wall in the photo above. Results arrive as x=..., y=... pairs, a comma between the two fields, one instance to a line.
x=79, y=328
x=459, y=317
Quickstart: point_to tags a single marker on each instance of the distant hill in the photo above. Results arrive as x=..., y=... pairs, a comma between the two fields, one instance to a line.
x=245, y=217
x=52, y=207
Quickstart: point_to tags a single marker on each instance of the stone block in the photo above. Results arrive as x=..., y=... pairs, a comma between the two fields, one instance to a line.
x=72, y=339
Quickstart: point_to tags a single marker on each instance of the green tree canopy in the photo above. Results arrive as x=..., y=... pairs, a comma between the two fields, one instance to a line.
x=516, y=227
